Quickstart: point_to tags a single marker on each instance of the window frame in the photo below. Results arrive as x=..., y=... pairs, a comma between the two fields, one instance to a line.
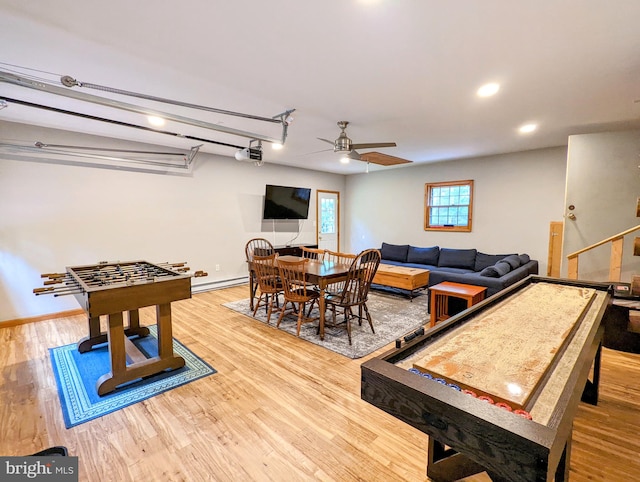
x=428, y=188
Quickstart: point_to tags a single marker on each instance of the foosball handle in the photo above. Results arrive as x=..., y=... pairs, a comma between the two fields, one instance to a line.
x=54, y=281
x=42, y=290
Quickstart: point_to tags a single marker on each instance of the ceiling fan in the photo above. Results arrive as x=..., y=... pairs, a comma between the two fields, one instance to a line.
x=344, y=144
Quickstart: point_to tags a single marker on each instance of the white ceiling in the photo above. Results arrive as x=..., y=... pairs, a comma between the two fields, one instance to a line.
x=398, y=70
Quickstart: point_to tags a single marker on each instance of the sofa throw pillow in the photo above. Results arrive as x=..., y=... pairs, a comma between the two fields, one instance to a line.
x=483, y=260
x=394, y=252
x=524, y=259
x=497, y=270
x=457, y=258
x=423, y=255
x=513, y=260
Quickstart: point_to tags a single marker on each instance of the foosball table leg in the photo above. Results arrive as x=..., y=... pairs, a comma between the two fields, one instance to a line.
x=97, y=337
x=134, y=325
x=121, y=348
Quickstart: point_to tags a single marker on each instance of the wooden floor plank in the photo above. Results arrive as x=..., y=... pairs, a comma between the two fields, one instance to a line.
x=279, y=408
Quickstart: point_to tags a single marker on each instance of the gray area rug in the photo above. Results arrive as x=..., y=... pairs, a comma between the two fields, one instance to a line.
x=393, y=317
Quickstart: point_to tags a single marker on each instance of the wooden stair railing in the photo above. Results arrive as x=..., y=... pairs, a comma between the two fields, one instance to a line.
x=615, y=261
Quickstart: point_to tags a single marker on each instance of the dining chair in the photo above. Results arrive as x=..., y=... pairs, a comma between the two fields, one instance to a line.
x=312, y=253
x=338, y=257
x=335, y=257
x=296, y=291
x=355, y=290
x=268, y=279
x=256, y=247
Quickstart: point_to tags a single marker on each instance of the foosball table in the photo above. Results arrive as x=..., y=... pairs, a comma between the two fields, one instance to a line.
x=113, y=289
x=496, y=387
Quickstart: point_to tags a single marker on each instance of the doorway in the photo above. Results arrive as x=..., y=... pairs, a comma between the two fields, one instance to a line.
x=328, y=216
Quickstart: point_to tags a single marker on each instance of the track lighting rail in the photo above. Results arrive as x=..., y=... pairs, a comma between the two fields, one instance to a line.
x=284, y=118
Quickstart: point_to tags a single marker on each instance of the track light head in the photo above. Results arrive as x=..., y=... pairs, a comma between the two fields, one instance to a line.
x=242, y=154
x=249, y=154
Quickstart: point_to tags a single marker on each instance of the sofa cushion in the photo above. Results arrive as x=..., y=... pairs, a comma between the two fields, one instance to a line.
x=513, y=260
x=524, y=259
x=497, y=270
x=483, y=260
x=423, y=255
x=457, y=258
x=394, y=252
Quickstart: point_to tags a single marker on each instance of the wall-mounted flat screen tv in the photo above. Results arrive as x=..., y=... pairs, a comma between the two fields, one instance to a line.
x=284, y=202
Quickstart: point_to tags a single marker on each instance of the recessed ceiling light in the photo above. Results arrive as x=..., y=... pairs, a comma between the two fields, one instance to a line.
x=276, y=146
x=487, y=90
x=155, y=121
x=344, y=160
x=527, y=128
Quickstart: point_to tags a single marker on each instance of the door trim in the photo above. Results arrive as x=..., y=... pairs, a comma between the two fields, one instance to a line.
x=337, y=193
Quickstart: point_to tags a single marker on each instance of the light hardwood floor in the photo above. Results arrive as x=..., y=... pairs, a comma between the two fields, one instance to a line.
x=278, y=409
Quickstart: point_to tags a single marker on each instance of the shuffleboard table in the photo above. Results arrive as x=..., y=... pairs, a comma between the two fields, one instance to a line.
x=497, y=386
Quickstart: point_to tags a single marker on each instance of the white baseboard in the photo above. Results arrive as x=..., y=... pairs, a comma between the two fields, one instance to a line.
x=219, y=284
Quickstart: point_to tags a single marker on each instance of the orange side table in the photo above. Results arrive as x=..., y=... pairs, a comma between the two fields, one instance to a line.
x=441, y=292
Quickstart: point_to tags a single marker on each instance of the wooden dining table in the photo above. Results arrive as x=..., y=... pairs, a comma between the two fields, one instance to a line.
x=321, y=274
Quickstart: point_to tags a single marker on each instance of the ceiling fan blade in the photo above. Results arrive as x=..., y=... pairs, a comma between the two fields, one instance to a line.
x=370, y=145
x=382, y=159
x=317, y=152
x=324, y=140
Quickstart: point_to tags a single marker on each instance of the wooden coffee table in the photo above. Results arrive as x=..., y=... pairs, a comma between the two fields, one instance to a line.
x=402, y=277
x=441, y=293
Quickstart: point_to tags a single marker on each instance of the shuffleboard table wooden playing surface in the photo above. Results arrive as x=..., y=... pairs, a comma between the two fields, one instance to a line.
x=497, y=386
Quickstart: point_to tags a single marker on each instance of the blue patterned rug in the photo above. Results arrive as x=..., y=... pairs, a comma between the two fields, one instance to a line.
x=77, y=373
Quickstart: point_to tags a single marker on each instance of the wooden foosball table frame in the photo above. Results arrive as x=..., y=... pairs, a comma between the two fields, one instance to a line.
x=467, y=434
x=113, y=289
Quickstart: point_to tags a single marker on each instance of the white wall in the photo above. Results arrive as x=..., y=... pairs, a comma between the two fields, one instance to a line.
x=603, y=183
x=53, y=216
x=516, y=196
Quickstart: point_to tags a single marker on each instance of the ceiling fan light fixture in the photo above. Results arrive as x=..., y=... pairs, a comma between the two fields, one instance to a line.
x=342, y=143
x=349, y=150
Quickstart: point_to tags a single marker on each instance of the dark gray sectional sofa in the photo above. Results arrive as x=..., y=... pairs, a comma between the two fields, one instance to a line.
x=468, y=266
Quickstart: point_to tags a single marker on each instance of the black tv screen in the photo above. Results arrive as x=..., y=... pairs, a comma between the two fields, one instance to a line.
x=284, y=202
